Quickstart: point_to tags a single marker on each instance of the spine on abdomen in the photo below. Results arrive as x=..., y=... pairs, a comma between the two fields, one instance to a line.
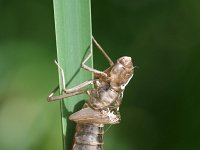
x=88, y=137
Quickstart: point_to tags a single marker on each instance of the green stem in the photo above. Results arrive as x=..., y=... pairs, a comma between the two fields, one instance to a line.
x=73, y=39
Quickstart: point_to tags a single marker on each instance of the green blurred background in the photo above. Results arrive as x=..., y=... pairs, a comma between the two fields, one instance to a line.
x=161, y=105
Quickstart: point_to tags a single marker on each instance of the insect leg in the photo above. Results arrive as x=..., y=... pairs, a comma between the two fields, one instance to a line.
x=70, y=92
x=53, y=97
x=84, y=66
x=104, y=53
x=62, y=74
x=79, y=87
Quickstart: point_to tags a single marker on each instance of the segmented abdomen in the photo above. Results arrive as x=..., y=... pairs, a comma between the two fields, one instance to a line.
x=88, y=137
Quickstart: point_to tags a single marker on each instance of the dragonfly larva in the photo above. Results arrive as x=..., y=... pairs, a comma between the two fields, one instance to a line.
x=104, y=100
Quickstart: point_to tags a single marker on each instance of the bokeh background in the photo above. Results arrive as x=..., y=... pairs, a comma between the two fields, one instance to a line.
x=161, y=105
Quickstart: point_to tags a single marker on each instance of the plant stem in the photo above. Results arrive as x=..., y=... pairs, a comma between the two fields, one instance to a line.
x=73, y=40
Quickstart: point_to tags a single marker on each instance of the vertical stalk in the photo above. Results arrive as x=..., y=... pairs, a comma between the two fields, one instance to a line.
x=73, y=40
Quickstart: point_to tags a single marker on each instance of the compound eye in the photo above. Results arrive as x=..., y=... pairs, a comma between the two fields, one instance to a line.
x=123, y=86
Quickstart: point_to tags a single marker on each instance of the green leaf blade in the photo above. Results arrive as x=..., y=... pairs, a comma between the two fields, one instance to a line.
x=73, y=40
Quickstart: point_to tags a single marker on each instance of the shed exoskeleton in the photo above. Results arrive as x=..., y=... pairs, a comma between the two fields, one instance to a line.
x=104, y=101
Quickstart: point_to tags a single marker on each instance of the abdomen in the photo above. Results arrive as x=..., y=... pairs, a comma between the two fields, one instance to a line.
x=88, y=137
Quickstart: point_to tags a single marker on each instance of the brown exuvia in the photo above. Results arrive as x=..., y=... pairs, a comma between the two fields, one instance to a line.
x=104, y=101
